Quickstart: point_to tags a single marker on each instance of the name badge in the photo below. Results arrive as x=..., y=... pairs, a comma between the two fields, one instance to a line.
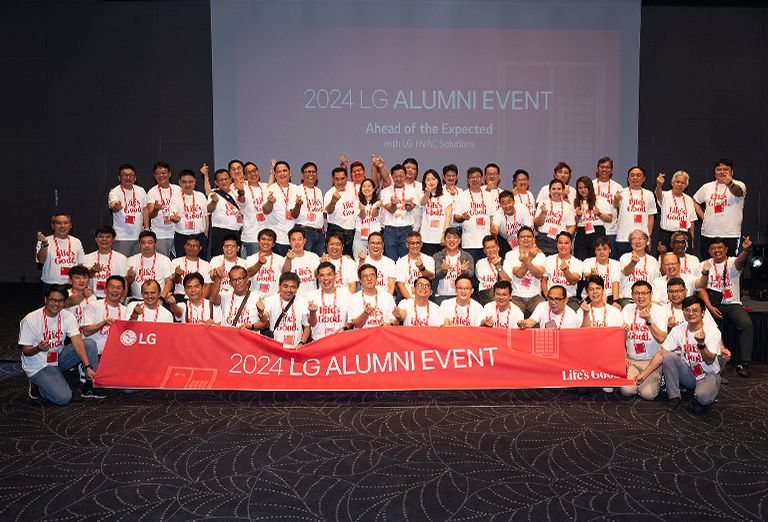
x=130, y=220
x=365, y=232
x=288, y=215
x=552, y=232
x=399, y=215
x=719, y=208
x=259, y=217
x=65, y=271
x=239, y=219
x=264, y=288
x=638, y=218
x=167, y=220
x=101, y=285
x=434, y=223
x=640, y=348
x=589, y=227
x=311, y=216
x=189, y=225
x=288, y=341
x=330, y=331
x=480, y=220
x=683, y=225
x=52, y=357
x=526, y=282
x=512, y=243
x=698, y=371
x=727, y=293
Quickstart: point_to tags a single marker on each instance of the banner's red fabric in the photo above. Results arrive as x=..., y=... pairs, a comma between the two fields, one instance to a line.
x=168, y=356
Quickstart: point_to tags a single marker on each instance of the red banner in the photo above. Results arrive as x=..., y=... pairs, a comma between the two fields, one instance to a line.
x=156, y=355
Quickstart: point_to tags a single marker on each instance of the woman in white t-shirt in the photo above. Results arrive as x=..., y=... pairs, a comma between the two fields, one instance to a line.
x=368, y=218
x=553, y=216
x=592, y=212
x=437, y=212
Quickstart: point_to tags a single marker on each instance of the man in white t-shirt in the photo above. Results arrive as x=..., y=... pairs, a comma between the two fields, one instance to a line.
x=676, y=208
x=636, y=265
x=100, y=315
x=595, y=312
x=127, y=201
x=104, y=261
x=553, y=313
x=251, y=205
x=489, y=270
x=229, y=259
x=723, y=211
x=190, y=214
x=399, y=202
x=44, y=357
x=265, y=267
x=328, y=305
x=160, y=208
x=346, y=268
x=238, y=305
x=413, y=265
x=506, y=222
x=689, y=264
x=636, y=209
x=341, y=206
x=188, y=264
x=689, y=357
x=196, y=309
x=563, y=269
x=671, y=266
x=450, y=262
x=80, y=292
x=501, y=313
x=606, y=188
x=371, y=306
x=150, y=309
x=462, y=310
x=301, y=262
x=419, y=310
x=472, y=209
x=59, y=251
x=386, y=272
x=226, y=215
x=311, y=215
x=285, y=313
x=526, y=264
x=147, y=265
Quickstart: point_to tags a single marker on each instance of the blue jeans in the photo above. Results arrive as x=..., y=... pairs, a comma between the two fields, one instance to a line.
x=394, y=241
x=315, y=241
x=281, y=250
x=249, y=249
x=50, y=380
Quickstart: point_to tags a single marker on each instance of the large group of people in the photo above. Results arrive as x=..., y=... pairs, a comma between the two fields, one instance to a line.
x=386, y=246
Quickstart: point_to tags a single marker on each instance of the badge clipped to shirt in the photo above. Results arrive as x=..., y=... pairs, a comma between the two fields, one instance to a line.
x=311, y=216
x=239, y=219
x=727, y=293
x=189, y=225
x=65, y=271
x=526, y=282
x=130, y=220
x=698, y=371
x=552, y=232
x=719, y=208
x=480, y=221
x=259, y=217
x=683, y=225
x=264, y=288
x=638, y=218
x=640, y=348
x=288, y=215
x=365, y=232
x=512, y=243
x=167, y=220
x=589, y=227
x=399, y=216
x=52, y=357
x=434, y=223
x=288, y=341
x=101, y=285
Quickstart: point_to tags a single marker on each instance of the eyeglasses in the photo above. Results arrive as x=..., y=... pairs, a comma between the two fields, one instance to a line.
x=56, y=299
x=423, y=285
x=647, y=292
x=556, y=299
x=367, y=276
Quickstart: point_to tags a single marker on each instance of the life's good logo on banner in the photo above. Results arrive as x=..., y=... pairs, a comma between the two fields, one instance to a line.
x=383, y=358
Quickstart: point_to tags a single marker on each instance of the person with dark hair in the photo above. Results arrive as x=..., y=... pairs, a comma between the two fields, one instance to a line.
x=606, y=188
x=413, y=265
x=341, y=205
x=127, y=201
x=357, y=172
x=285, y=313
x=196, y=309
x=368, y=219
x=436, y=212
x=491, y=185
x=722, y=296
x=689, y=356
x=386, y=272
x=646, y=330
x=689, y=264
x=723, y=207
x=188, y=264
x=45, y=357
x=160, y=207
x=238, y=304
x=190, y=214
x=236, y=170
x=227, y=260
x=636, y=265
x=521, y=192
x=562, y=172
x=677, y=209
x=251, y=207
x=450, y=263
x=328, y=305
x=58, y=252
x=608, y=269
x=147, y=265
x=418, y=310
x=552, y=313
x=100, y=315
x=451, y=180
x=671, y=267
x=311, y=217
x=500, y=312
x=592, y=213
x=80, y=292
x=400, y=202
x=636, y=208
x=462, y=310
x=489, y=270
x=264, y=268
x=563, y=269
x=150, y=309
x=472, y=210
x=104, y=261
x=283, y=206
x=411, y=171
x=555, y=215
x=371, y=306
x=300, y=261
x=526, y=265
x=594, y=311
x=227, y=218
x=346, y=268
x=676, y=293
x=506, y=222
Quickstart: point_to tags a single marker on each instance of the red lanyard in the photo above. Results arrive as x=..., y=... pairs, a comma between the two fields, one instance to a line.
x=562, y=318
x=141, y=266
x=160, y=192
x=322, y=298
x=416, y=321
x=634, y=321
x=46, y=332
x=552, y=211
x=639, y=202
x=157, y=314
x=191, y=316
x=186, y=269
x=69, y=247
x=607, y=194
x=231, y=311
x=109, y=263
x=106, y=310
x=293, y=314
x=253, y=198
x=498, y=318
x=715, y=197
x=340, y=273
x=558, y=271
x=685, y=205
x=515, y=224
x=466, y=320
x=607, y=277
x=402, y=198
x=724, y=274
x=528, y=197
x=286, y=194
x=186, y=209
x=482, y=200
x=133, y=198
x=306, y=196
x=592, y=315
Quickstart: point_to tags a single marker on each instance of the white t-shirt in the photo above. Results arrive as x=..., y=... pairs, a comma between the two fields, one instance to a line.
x=369, y=223
x=503, y=319
x=660, y=287
x=486, y=274
x=111, y=264
x=37, y=327
x=544, y=317
x=555, y=276
x=230, y=304
x=311, y=212
x=682, y=341
x=293, y=322
x=447, y=285
x=679, y=317
x=433, y=215
x=640, y=344
x=264, y=282
x=304, y=267
x=161, y=224
x=726, y=278
x=158, y=315
x=407, y=270
x=346, y=209
x=193, y=212
x=79, y=309
x=217, y=261
x=606, y=190
x=331, y=312
x=689, y=264
x=602, y=317
x=428, y=315
x=509, y=225
x=253, y=217
x=157, y=267
x=560, y=215
x=129, y=220
x=200, y=265
x=383, y=304
x=633, y=212
x=610, y=272
x=280, y=219
x=458, y=315
x=98, y=312
x=401, y=217
x=589, y=219
x=494, y=194
x=225, y=214
x=480, y=207
x=62, y=255
x=676, y=213
x=346, y=271
x=647, y=269
x=528, y=285
x=723, y=212
x=191, y=314
x=385, y=270
x=528, y=200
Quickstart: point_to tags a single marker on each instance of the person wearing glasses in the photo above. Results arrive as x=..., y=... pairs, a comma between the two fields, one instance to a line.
x=238, y=305
x=413, y=265
x=553, y=313
x=671, y=268
x=58, y=252
x=689, y=263
x=419, y=310
x=636, y=265
x=371, y=306
x=646, y=329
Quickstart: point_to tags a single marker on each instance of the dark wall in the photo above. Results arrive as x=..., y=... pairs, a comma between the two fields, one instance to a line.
x=704, y=95
x=86, y=86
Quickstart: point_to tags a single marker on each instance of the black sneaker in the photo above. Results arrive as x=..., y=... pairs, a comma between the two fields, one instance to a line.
x=88, y=392
x=697, y=408
x=34, y=391
x=674, y=404
x=742, y=370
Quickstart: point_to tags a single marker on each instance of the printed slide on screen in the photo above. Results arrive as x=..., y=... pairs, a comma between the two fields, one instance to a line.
x=307, y=81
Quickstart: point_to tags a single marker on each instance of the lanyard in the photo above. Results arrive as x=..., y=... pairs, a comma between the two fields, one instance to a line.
x=456, y=314
x=133, y=198
x=253, y=198
x=715, y=196
x=47, y=333
x=59, y=253
x=144, y=310
x=515, y=224
x=685, y=205
x=186, y=268
x=141, y=266
x=286, y=194
x=186, y=209
x=482, y=200
x=416, y=321
x=592, y=315
x=527, y=196
x=109, y=264
x=160, y=192
x=551, y=212
x=191, y=316
x=306, y=196
x=322, y=298
x=607, y=277
x=498, y=318
x=562, y=317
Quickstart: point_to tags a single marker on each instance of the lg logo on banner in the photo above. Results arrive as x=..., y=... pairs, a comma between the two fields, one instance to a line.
x=129, y=338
